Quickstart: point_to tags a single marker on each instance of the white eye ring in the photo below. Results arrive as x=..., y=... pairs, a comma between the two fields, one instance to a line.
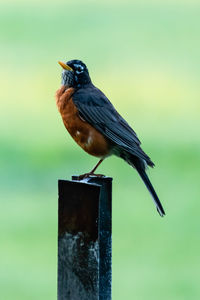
x=79, y=68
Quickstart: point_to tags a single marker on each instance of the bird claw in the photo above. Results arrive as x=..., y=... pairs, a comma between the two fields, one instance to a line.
x=86, y=175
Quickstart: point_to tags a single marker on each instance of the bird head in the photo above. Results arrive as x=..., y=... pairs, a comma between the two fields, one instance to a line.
x=75, y=73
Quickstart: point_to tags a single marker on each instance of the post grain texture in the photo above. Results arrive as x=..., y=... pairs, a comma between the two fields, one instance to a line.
x=84, y=239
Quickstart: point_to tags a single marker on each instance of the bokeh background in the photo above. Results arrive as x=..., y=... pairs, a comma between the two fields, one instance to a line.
x=145, y=56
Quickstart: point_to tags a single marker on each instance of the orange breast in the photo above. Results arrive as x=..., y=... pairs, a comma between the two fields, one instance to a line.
x=87, y=137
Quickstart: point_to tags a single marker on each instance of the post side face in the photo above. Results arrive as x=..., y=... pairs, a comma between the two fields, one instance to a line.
x=105, y=238
x=78, y=246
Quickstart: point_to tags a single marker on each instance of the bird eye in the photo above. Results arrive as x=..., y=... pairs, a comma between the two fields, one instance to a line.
x=79, y=69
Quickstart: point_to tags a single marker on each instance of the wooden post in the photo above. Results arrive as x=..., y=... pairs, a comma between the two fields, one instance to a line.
x=84, y=239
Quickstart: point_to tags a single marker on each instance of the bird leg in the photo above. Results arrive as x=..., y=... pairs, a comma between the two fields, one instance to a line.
x=80, y=177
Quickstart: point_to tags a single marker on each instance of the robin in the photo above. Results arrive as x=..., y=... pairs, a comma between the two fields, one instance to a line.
x=96, y=126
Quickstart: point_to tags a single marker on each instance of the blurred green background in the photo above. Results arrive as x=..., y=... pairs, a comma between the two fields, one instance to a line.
x=145, y=56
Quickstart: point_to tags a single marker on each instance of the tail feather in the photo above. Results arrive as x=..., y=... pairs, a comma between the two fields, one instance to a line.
x=150, y=187
x=140, y=164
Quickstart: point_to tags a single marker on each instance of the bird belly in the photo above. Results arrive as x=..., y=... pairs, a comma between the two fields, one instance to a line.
x=85, y=135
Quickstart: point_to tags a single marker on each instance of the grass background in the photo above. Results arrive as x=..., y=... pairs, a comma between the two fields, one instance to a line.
x=145, y=56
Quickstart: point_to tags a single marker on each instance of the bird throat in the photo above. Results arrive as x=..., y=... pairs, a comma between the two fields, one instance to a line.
x=67, y=78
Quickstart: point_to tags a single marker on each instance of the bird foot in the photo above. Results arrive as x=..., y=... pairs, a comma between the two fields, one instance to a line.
x=86, y=175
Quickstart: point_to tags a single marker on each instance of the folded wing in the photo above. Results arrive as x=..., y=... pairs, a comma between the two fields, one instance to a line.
x=97, y=110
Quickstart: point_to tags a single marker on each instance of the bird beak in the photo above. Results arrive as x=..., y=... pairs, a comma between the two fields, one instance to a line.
x=64, y=66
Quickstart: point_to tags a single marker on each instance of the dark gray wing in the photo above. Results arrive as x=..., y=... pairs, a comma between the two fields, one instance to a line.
x=97, y=110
